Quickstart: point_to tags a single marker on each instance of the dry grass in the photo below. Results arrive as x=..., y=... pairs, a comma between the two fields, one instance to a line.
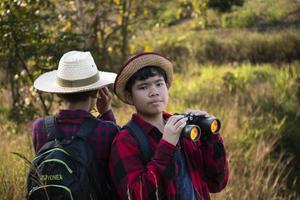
x=13, y=169
x=259, y=176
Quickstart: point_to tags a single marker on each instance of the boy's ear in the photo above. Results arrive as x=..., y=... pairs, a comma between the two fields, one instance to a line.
x=128, y=97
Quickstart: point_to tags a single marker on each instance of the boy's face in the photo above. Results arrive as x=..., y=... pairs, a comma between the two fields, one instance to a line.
x=149, y=96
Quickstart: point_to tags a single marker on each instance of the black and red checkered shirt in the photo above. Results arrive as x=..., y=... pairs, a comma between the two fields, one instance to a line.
x=206, y=164
x=69, y=121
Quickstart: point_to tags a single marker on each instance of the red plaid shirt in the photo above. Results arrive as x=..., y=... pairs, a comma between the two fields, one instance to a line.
x=69, y=121
x=206, y=162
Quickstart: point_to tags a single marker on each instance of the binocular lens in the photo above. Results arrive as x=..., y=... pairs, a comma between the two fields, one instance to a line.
x=194, y=133
x=191, y=132
x=214, y=126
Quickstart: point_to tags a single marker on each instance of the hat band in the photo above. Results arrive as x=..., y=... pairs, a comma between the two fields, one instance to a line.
x=78, y=83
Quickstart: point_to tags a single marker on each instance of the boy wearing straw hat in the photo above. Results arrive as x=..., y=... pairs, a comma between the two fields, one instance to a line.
x=81, y=86
x=178, y=168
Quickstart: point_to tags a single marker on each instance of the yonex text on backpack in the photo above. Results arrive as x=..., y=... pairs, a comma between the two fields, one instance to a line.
x=65, y=169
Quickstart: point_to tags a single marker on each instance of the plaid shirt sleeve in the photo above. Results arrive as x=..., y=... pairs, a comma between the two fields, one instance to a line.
x=108, y=116
x=39, y=134
x=131, y=178
x=215, y=163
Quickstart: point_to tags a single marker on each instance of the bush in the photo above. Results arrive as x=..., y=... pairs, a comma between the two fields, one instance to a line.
x=256, y=47
x=257, y=13
x=179, y=54
x=246, y=18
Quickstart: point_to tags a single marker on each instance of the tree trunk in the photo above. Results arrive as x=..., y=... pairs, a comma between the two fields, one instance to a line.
x=45, y=109
x=10, y=75
x=126, y=5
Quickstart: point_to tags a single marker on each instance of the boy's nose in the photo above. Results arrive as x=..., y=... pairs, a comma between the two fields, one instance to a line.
x=154, y=92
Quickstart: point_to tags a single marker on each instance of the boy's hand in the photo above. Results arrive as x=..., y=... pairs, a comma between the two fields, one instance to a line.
x=173, y=128
x=103, y=103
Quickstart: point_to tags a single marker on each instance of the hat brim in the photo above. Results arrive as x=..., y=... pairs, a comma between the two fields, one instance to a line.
x=47, y=83
x=136, y=63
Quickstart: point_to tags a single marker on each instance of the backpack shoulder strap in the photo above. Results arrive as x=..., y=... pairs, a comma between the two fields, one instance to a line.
x=137, y=132
x=85, y=129
x=50, y=124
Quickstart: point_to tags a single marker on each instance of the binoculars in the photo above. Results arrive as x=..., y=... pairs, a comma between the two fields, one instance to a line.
x=197, y=125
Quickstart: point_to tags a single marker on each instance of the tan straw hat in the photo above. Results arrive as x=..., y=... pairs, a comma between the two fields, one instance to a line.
x=77, y=72
x=138, y=62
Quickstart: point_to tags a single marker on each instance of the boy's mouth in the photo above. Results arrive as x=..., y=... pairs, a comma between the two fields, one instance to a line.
x=155, y=102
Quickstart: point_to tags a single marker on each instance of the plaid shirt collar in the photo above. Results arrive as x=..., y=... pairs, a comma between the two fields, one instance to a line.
x=73, y=114
x=147, y=127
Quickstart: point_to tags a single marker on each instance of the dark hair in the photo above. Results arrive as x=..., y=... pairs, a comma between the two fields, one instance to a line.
x=76, y=97
x=143, y=74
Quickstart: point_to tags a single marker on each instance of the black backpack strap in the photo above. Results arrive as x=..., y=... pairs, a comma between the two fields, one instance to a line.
x=137, y=132
x=86, y=128
x=50, y=124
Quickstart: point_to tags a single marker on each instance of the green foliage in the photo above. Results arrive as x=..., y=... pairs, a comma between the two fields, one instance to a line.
x=29, y=47
x=244, y=18
x=169, y=16
x=258, y=13
x=255, y=48
x=169, y=12
x=8, y=127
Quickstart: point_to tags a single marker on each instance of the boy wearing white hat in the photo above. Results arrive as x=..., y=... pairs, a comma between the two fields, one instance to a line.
x=81, y=86
x=177, y=168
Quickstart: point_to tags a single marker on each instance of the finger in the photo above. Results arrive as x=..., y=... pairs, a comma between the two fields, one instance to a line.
x=99, y=100
x=173, y=119
x=199, y=113
x=107, y=92
x=104, y=90
x=181, y=122
x=203, y=113
x=181, y=127
x=102, y=93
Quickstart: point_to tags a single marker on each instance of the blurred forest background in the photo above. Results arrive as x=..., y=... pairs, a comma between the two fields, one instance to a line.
x=237, y=59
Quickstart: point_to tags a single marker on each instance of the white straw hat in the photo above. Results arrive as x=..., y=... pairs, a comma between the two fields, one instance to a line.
x=77, y=72
x=138, y=62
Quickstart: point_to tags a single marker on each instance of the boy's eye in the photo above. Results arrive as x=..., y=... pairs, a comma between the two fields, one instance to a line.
x=159, y=84
x=143, y=87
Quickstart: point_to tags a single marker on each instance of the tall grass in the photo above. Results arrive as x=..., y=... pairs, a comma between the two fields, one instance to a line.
x=259, y=176
x=13, y=169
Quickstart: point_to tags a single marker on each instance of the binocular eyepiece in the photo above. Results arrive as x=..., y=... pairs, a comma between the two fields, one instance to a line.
x=198, y=125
